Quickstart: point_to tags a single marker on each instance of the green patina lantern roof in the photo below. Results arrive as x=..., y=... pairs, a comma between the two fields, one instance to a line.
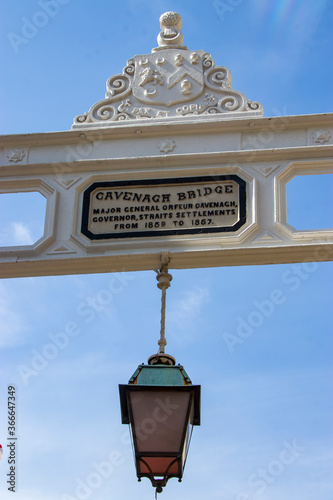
x=159, y=374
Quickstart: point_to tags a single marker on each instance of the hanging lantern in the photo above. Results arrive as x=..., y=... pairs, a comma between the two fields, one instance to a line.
x=162, y=406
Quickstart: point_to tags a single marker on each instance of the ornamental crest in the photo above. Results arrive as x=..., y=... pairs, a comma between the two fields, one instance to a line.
x=170, y=83
x=170, y=78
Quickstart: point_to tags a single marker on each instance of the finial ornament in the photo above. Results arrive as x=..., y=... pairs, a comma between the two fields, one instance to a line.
x=171, y=36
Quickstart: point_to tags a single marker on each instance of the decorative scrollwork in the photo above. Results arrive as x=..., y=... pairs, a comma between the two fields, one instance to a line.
x=208, y=61
x=212, y=111
x=118, y=85
x=81, y=118
x=229, y=103
x=102, y=111
x=121, y=117
x=254, y=105
x=218, y=76
x=130, y=68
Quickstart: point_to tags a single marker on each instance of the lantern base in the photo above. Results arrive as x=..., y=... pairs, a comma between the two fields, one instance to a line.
x=161, y=359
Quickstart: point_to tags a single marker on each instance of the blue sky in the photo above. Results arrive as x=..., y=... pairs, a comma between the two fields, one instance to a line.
x=266, y=430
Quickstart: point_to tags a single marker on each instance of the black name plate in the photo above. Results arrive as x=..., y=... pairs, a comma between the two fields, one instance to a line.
x=164, y=207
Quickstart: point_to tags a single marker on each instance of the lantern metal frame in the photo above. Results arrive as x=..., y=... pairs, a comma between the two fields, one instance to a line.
x=159, y=479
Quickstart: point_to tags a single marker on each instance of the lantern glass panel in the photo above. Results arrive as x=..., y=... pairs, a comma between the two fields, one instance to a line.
x=188, y=436
x=159, y=466
x=159, y=419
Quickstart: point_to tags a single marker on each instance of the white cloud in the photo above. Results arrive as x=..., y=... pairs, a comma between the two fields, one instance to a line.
x=16, y=233
x=22, y=234
x=186, y=310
